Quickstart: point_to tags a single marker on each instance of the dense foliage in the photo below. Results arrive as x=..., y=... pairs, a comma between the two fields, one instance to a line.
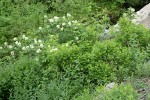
x=62, y=49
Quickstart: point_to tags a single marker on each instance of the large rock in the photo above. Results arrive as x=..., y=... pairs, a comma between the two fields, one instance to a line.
x=146, y=21
x=143, y=16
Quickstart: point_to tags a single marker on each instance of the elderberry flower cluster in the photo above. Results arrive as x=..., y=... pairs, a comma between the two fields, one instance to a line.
x=60, y=23
x=22, y=44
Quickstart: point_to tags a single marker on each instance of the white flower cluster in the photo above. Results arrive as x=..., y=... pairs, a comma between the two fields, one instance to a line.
x=56, y=19
x=68, y=15
x=37, y=43
x=17, y=43
x=23, y=45
x=24, y=37
x=7, y=46
x=38, y=50
x=54, y=49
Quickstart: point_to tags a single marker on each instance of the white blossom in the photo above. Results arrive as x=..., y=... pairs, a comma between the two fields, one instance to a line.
x=69, y=23
x=15, y=39
x=35, y=40
x=26, y=38
x=51, y=50
x=77, y=38
x=75, y=21
x=56, y=18
x=40, y=28
x=63, y=24
x=45, y=16
x=10, y=46
x=39, y=41
x=58, y=26
x=49, y=46
x=12, y=53
x=38, y=50
x=55, y=49
x=67, y=44
x=23, y=36
x=5, y=43
x=18, y=43
x=27, y=47
x=64, y=17
x=62, y=29
x=23, y=48
x=68, y=15
x=1, y=48
x=41, y=45
x=51, y=20
x=31, y=46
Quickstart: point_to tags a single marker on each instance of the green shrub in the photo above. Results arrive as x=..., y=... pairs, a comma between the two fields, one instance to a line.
x=145, y=68
x=132, y=35
x=22, y=73
x=53, y=90
x=119, y=92
x=77, y=8
x=85, y=95
x=74, y=63
x=15, y=19
x=27, y=79
x=118, y=57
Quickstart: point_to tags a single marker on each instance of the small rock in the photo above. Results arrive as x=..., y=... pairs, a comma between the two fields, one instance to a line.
x=110, y=86
x=106, y=35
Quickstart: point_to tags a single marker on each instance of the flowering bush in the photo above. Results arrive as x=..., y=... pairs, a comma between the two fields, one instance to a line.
x=64, y=27
x=44, y=57
x=22, y=45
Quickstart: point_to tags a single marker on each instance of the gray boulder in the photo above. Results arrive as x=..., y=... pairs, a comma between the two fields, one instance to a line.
x=143, y=16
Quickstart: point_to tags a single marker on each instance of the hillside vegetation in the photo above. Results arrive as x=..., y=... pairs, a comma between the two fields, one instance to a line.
x=71, y=49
